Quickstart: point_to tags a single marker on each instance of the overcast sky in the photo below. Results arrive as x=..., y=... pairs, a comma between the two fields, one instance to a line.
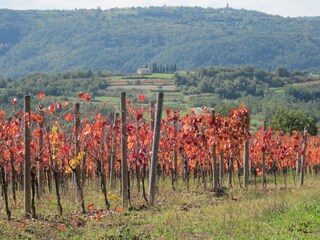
x=291, y=8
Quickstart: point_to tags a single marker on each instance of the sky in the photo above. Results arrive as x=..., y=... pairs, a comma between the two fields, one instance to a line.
x=291, y=8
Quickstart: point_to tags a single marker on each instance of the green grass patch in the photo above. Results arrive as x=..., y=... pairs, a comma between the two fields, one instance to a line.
x=277, y=90
x=116, y=78
x=256, y=123
x=151, y=76
x=107, y=98
x=160, y=75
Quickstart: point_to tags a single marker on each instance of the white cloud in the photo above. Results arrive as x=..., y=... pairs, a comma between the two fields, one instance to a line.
x=280, y=7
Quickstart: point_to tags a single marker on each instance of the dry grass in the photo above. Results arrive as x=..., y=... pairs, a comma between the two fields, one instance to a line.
x=182, y=214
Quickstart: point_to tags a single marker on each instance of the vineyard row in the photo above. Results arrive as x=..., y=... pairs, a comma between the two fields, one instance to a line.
x=65, y=141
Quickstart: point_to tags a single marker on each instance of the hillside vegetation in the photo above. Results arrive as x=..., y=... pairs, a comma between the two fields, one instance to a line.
x=265, y=93
x=124, y=39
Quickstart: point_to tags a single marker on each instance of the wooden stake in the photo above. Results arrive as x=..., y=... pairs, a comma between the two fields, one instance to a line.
x=41, y=174
x=113, y=154
x=155, y=149
x=124, y=148
x=175, y=154
x=304, y=157
x=298, y=164
x=264, y=180
x=77, y=144
x=27, y=163
x=77, y=171
x=214, y=158
x=246, y=164
x=221, y=169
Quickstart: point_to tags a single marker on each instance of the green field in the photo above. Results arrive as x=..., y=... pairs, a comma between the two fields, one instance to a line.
x=151, y=76
x=173, y=98
x=277, y=90
x=106, y=99
x=116, y=78
x=160, y=75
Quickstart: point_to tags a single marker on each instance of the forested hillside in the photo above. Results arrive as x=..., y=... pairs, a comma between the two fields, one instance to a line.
x=267, y=94
x=124, y=39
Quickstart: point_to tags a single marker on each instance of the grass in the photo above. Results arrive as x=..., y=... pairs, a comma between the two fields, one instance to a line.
x=256, y=123
x=116, y=78
x=144, y=87
x=160, y=75
x=151, y=76
x=107, y=98
x=277, y=89
x=182, y=214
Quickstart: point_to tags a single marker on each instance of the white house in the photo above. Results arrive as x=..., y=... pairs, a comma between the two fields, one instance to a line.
x=144, y=71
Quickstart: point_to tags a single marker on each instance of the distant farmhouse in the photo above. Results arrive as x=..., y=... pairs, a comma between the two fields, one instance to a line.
x=144, y=71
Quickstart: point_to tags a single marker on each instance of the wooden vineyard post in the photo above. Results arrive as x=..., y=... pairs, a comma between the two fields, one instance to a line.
x=5, y=191
x=48, y=171
x=113, y=153
x=77, y=127
x=13, y=178
x=246, y=163
x=221, y=169
x=152, y=115
x=27, y=163
x=230, y=170
x=49, y=176
x=41, y=175
x=124, y=148
x=298, y=164
x=264, y=181
x=214, y=157
x=155, y=149
x=175, y=154
x=77, y=170
x=83, y=169
x=304, y=155
x=152, y=119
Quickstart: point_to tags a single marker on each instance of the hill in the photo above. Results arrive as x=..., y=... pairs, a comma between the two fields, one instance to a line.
x=265, y=93
x=124, y=39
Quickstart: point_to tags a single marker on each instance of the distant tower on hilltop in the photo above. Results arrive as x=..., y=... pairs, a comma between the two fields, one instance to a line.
x=227, y=7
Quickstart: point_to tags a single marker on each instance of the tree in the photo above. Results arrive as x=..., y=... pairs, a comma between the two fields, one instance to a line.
x=282, y=72
x=3, y=83
x=260, y=75
x=154, y=67
x=289, y=121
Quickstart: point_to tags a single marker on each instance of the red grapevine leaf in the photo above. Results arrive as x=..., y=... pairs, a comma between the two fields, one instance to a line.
x=41, y=95
x=90, y=206
x=68, y=117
